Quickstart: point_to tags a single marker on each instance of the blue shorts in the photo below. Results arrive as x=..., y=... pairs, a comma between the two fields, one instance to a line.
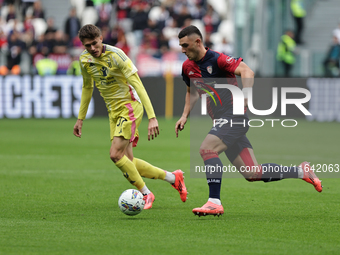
x=232, y=131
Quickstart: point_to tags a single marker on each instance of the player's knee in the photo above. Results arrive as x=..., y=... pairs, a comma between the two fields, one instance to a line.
x=115, y=156
x=202, y=152
x=207, y=154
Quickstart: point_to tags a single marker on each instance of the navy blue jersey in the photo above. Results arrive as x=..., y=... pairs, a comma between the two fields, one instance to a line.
x=202, y=73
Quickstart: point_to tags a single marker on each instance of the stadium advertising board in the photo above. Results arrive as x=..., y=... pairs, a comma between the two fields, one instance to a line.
x=41, y=97
x=59, y=97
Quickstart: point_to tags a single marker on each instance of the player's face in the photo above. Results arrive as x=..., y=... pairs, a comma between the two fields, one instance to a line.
x=190, y=46
x=94, y=46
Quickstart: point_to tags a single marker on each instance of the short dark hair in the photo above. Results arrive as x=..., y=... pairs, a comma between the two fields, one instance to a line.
x=189, y=31
x=89, y=32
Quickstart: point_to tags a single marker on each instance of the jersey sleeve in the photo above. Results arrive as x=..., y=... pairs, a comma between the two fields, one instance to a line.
x=87, y=91
x=124, y=63
x=87, y=79
x=86, y=95
x=227, y=63
x=137, y=84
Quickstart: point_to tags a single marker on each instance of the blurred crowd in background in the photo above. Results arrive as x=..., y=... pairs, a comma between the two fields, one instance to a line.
x=137, y=27
x=144, y=29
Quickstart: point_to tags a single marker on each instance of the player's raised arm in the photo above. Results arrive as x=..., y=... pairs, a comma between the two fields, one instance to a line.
x=190, y=100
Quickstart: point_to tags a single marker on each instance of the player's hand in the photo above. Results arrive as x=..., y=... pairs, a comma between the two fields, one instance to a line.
x=153, y=129
x=77, y=128
x=180, y=124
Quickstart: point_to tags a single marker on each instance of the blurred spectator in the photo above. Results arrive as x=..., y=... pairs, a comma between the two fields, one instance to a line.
x=49, y=39
x=207, y=42
x=3, y=45
x=74, y=68
x=72, y=26
x=298, y=13
x=336, y=33
x=3, y=40
x=77, y=43
x=50, y=26
x=285, y=52
x=46, y=66
x=150, y=42
x=163, y=46
x=211, y=20
x=102, y=22
x=104, y=12
x=224, y=47
x=28, y=24
x=15, y=48
x=11, y=12
x=121, y=42
x=123, y=9
x=151, y=26
x=38, y=11
x=106, y=34
x=199, y=11
x=182, y=16
x=60, y=45
x=158, y=15
x=37, y=46
x=170, y=32
x=28, y=37
x=139, y=16
x=26, y=4
x=332, y=62
x=89, y=15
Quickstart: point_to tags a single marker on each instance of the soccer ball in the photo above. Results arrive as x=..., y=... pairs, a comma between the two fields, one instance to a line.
x=131, y=202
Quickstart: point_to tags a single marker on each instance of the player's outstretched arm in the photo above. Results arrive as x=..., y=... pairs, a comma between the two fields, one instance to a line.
x=190, y=101
x=153, y=129
x=77, y=128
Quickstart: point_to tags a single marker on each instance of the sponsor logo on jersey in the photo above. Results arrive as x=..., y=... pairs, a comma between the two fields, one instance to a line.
x=229, y=60
x=104, y=71
x=191, y=73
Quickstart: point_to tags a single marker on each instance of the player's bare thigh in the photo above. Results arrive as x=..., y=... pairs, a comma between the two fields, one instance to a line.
x=212, y=142
x=118, y=148
x=129, y=152
x=238, y=163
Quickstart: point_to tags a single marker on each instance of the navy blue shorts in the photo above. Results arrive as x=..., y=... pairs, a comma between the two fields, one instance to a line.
x=232, y=131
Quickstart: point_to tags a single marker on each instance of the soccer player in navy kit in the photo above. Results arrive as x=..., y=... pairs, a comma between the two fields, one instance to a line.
x=203, y=63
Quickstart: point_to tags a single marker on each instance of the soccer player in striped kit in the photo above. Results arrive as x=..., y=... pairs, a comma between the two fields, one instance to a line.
x=203, y=64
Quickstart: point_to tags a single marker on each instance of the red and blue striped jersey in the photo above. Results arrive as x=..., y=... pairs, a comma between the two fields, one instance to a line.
x=210, y=70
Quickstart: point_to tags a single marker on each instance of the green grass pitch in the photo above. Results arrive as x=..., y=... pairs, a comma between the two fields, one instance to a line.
x=58, y=194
